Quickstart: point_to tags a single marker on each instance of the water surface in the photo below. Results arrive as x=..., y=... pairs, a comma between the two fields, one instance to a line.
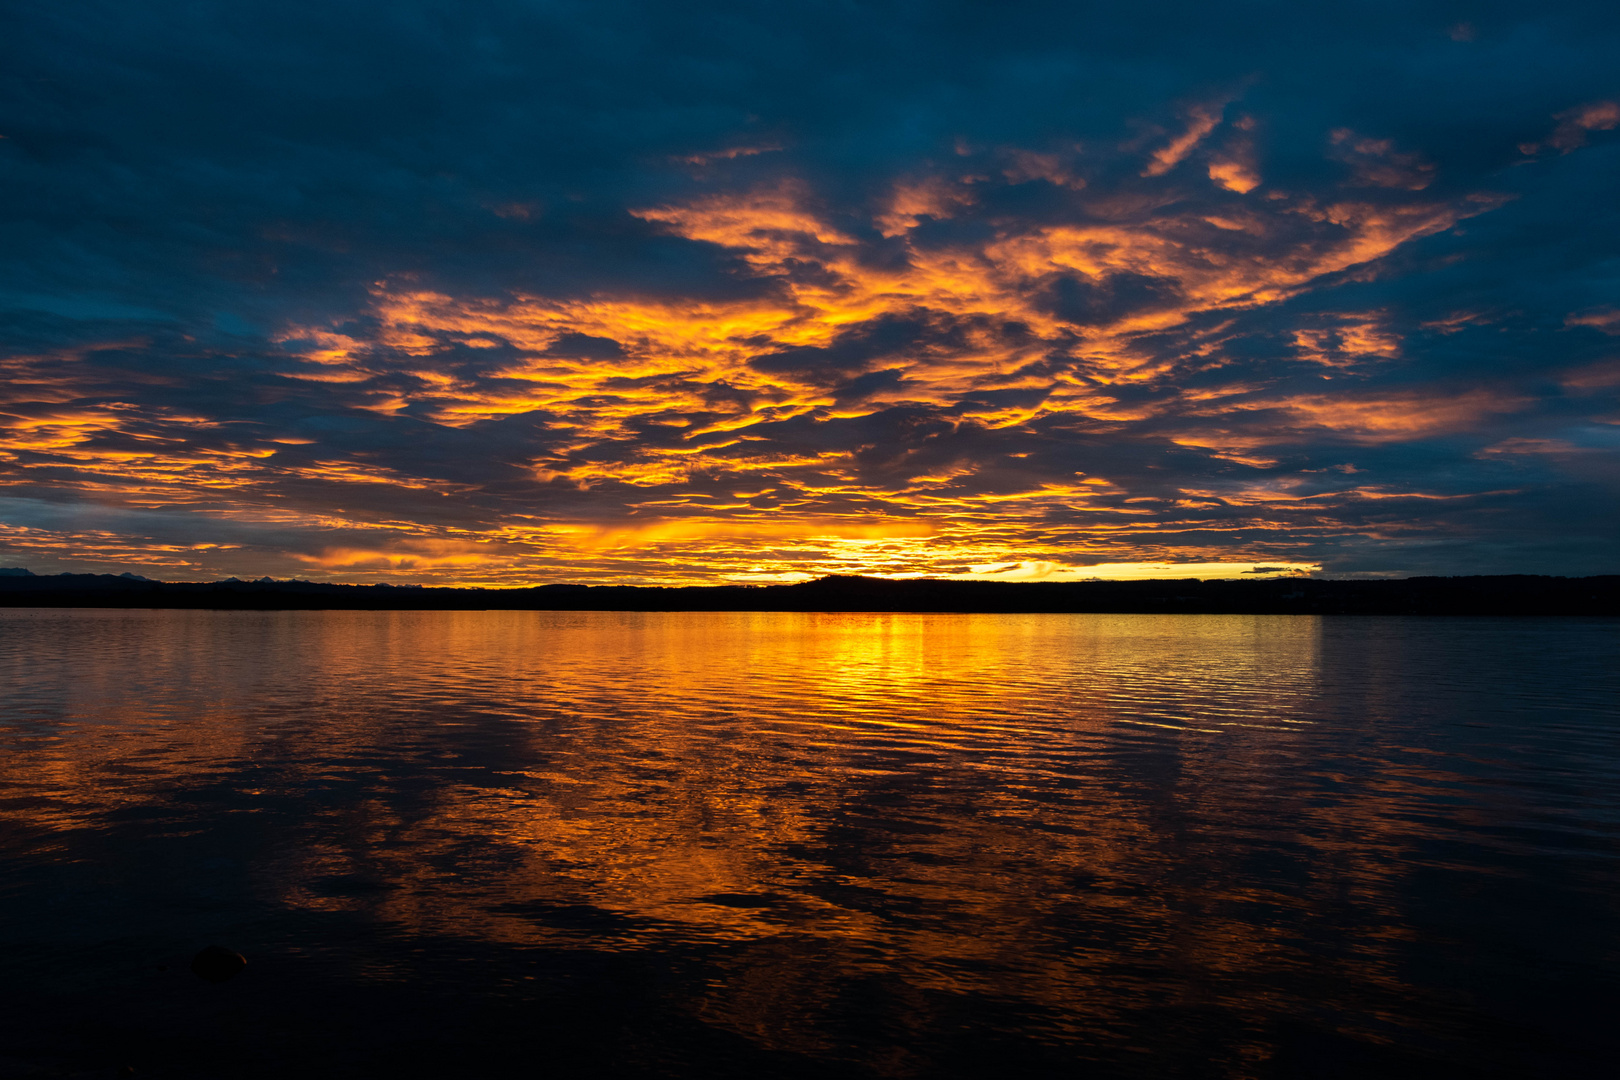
x=710, y=844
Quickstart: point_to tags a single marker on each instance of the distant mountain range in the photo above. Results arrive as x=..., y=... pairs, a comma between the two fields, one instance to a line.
x=1503, y=595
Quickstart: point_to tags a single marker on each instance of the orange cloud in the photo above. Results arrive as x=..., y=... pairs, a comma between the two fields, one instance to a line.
x=741, y=529
x=1356, y=338
x=404, y=555
x=1604, y=319
x=1598, y=376
x=769, y=222
x=1376, y=162
x=1574, y=125
x=913, y=200
x=728, y=154
x=1201, y=120
x=1397, y=417
x=1536, y=447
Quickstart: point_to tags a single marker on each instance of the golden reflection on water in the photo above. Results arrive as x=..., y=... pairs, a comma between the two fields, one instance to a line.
x=1082, y=818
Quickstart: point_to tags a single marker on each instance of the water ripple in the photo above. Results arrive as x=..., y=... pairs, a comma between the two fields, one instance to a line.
x=838, y=841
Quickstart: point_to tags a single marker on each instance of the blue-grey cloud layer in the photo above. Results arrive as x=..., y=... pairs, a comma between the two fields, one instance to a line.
x=368, y=288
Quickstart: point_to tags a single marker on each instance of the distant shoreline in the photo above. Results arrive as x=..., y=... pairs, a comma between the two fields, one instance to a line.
x=1499, y=595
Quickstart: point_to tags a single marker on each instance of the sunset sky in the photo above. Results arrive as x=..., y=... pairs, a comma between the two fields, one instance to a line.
x=512, y=293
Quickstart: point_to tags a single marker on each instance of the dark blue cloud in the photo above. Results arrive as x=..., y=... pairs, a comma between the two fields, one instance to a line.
x=529, y=290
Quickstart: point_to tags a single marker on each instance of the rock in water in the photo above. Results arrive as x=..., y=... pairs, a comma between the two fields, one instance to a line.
x=216, y=964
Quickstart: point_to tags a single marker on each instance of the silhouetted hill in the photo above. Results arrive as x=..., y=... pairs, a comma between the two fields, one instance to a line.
x=1505, y=595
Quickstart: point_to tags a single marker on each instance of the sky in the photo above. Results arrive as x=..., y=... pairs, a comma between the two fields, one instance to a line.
x=513, y=293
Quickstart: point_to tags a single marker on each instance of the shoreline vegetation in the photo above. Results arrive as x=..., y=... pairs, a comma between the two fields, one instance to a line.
x=1496, y=595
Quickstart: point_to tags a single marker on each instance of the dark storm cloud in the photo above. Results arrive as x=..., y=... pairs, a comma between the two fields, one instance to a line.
x=516, y=291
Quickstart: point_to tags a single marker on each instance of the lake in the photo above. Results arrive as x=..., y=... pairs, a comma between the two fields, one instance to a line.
x=463, y=844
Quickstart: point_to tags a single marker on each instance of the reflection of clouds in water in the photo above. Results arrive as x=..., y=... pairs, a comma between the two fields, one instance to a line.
x=1075, y=814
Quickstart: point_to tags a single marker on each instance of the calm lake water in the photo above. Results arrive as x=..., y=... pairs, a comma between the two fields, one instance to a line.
x=463, y=844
